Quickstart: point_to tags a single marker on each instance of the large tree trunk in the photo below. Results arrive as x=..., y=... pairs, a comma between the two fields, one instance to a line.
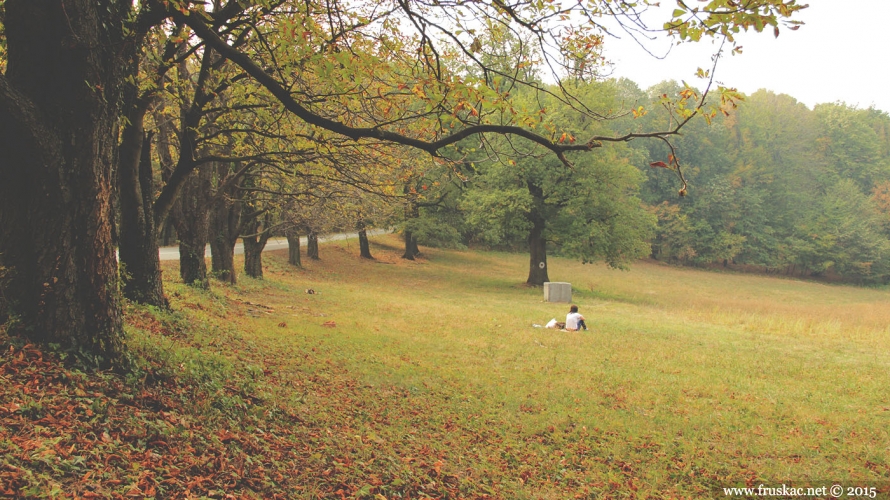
x=412, y=211
x=253, y=256
x=312, y=245
x=192, y=264
x=364, y=245
x=254, y=244
x=411, y=248
x=222, y=256
x=167, y=233
x=191, y=214
x=293, y=247
x=537, y=245
x=222, y=260
x=414, y=248
x=537, y=269
x=225, y=226
x=537, y=250
x=222, y=244
x=60, y=102
x=138, y=242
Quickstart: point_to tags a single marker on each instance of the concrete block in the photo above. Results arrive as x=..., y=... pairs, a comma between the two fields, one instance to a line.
x=555, y=291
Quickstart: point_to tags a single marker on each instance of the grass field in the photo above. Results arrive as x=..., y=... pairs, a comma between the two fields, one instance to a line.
x=421, y=379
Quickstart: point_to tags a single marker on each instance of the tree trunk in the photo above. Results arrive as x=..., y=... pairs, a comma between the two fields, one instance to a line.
x=138, y=245
x=4, y=300
x=225, y=226
x=363, y=244
x=191, y=215
x=411, y=248
x=537, y=245
x=412, y=211
x=60, y=100
x=253, y=256
x=167, y=236
x=409, y=253
x=192, y=263
x=253, y=247
x=312, y=245
x=222, y=255
x=415, y=249
x=293, y=247
x=537, y=249
x=187, y=190
x=166, y=134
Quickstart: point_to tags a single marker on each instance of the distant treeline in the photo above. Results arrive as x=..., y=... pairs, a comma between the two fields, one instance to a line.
x=777, y=187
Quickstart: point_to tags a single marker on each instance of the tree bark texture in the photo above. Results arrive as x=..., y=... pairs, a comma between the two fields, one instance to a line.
x=537, y=250
x=253, y=256
x=60, y=100
x=225, y=226
x=293, y=247
x=312, y=245
x=254, y=243
x=222, y=260
x=411, y=248
x=191, y=216
x=222, y=243
x=168, y=233
x=537, y=244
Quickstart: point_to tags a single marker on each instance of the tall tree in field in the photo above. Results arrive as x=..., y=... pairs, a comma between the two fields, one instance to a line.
x=67, y=62
x=590, y=211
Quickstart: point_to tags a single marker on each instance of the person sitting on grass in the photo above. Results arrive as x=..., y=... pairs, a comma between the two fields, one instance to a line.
x=574, y=320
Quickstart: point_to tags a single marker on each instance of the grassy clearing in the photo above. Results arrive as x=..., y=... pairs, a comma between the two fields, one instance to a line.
x=434, y=383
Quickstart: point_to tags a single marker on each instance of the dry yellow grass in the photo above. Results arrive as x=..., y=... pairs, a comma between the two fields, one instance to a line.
x=688, y=381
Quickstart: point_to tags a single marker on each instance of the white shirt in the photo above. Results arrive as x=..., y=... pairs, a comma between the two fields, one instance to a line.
x=572, y=320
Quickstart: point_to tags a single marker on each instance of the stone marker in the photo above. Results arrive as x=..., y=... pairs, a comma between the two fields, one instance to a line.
x=557, y=292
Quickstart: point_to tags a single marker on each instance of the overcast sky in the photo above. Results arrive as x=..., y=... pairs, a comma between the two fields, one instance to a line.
x=840, y=54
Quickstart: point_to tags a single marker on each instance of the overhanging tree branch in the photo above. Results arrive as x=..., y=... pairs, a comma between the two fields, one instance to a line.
x=211, y=39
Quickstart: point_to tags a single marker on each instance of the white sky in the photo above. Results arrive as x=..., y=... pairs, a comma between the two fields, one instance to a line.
x=840, y=54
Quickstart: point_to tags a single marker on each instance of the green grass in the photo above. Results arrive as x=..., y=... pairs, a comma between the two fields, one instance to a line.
x=687, y=381
x=434, y=383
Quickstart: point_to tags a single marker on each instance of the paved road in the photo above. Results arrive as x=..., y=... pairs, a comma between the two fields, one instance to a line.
x=172, y=253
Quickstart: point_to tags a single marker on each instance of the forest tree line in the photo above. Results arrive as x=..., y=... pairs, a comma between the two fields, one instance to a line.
x=773, y=186
x=781, y=188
